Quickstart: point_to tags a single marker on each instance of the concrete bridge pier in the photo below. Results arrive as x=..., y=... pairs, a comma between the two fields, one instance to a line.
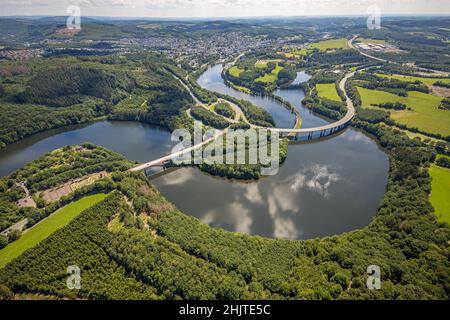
x=156, y=168
x=323, y=133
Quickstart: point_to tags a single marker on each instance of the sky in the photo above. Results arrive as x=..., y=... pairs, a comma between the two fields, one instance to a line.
x=222, y=8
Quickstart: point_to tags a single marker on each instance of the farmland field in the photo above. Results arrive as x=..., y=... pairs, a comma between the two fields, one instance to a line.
x=440, y=186
x=328, y=91
x=425, y=114
x=45, y=228
x=300, y=51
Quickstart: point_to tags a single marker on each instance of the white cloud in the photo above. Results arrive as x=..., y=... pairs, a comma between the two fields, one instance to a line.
x=222, y=8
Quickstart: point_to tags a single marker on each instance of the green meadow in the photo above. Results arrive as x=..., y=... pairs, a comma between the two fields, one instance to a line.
x=424, y=115
x=270, y=77
x=440, y=192
x=440, y=156
x=328, y=91
x=240, y=88
x=236, y=72
x=424, y=80
x=329, y=44
x=300, y=51
x=322, y=45
x=374, y=41
x=46, y=227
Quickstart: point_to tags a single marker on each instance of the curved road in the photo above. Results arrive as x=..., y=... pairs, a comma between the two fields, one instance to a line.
x=332, y=127
x=429, y=71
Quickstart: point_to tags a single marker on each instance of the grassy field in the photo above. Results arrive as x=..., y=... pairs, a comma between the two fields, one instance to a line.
x=439, y=156
x=425, y=114
x=329, y=44
x=374, y=41
x=328, y=91
x=440, y=186
x=45, y=228
x=270, y=77
x=236, y=72
x=300, y=52
x=240, y=88
x=261, y=64
x=414, y=135
x=426, y=81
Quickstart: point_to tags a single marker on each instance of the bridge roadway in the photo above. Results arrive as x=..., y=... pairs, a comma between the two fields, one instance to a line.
x=332, y=127
x=161, y=161
x=323, y=130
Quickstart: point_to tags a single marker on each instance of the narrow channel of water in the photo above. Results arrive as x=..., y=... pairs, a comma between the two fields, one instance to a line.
x=212, y=80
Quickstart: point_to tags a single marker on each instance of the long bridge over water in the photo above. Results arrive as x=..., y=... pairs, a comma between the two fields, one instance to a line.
x=310, y=133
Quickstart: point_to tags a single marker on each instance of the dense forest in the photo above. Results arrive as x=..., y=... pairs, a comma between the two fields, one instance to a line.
x=51, y=170
x=42, y=94
x=209, y=118
x=224, y=109
x=261, y=72
x=150, y=250
x=244, y=171
x=137, y=245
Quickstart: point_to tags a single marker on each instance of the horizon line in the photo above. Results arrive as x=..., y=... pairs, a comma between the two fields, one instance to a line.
x=232, y=17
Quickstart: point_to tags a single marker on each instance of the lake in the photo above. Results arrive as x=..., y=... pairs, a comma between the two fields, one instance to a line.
x=324, y=188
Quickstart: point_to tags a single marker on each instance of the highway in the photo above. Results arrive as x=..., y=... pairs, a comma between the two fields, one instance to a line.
x=331, y=128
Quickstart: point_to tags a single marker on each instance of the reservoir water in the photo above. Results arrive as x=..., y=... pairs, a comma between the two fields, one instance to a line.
x=137, y=141
x=325, y=187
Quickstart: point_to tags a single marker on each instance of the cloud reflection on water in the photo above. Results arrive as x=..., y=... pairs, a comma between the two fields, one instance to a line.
x=317, y=178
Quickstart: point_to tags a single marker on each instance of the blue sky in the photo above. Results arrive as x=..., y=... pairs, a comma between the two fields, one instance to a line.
x=221, y=8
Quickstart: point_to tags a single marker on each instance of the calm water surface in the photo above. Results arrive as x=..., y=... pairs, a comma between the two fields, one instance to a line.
x=137, y=141
x=326, y=187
